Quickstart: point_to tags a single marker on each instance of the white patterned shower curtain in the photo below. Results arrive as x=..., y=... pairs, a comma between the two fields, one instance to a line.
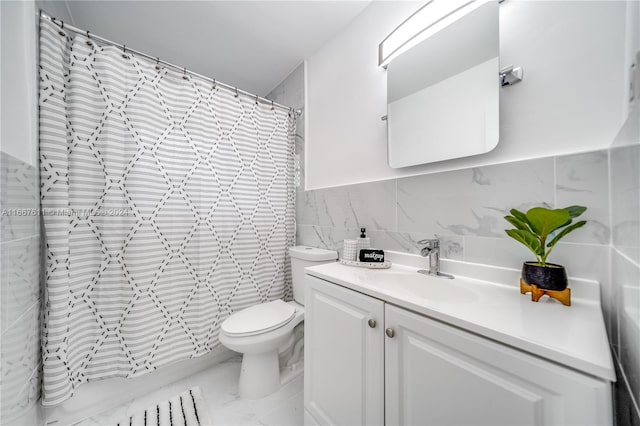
x=168, y=204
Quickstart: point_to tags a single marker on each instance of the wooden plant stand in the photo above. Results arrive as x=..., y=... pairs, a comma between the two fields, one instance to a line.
x=563, y=296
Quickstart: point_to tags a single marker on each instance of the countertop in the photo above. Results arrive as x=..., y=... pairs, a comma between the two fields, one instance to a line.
x=486, y=300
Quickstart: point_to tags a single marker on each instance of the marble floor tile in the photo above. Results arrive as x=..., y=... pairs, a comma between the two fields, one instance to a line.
x=219, y=386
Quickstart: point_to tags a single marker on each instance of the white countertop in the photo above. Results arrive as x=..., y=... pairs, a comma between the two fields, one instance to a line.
x=490, y=305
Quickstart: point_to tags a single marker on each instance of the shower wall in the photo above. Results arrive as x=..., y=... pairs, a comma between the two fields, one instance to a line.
x=20, y=297
x=19, y=233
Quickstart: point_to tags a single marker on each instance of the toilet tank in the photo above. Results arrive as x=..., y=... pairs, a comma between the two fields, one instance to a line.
x=301, y=257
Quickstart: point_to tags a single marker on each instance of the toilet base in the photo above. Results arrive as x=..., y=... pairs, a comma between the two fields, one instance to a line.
x=259, y=375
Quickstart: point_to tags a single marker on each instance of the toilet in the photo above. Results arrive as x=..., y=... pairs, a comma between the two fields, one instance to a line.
x=261, y=331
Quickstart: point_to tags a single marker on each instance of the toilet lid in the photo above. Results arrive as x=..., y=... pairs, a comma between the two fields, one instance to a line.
x=259, y=318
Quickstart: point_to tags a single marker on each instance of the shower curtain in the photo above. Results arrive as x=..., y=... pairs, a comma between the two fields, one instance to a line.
x=168, y=204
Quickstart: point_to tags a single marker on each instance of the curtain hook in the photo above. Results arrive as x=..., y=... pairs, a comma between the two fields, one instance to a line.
x=256, y=99
x=214, y=84
x=184, y=76
x=89, y=42
x=124, y=51
x=272, y=107
x=236, y=95
x=61, y=32
x=158, y=63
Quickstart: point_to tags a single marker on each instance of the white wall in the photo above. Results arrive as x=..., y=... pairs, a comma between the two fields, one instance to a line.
x=57, y=9
x=18, y=81
x=571, y=100
x=19, y=75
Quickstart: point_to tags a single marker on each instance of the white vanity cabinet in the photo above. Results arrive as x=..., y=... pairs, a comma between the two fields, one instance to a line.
x=409, y=369
x=436, y=374
x=344, y=380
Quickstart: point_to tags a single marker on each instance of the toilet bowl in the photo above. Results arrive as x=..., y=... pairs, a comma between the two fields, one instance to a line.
x=261, y=331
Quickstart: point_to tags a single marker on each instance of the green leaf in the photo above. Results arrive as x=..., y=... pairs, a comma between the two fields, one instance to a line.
x=528, y=239
x=544, y=221
x=565, y=231
x=575, y=211
x=521, y=217
x=517, y=223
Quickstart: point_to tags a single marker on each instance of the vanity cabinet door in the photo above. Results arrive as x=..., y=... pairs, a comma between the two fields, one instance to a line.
x=343, y=356
x=436, y=374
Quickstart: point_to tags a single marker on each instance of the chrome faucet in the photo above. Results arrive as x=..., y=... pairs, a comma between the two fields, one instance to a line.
x=432, y=249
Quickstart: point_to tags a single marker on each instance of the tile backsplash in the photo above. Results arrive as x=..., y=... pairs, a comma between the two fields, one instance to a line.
x=466, y=209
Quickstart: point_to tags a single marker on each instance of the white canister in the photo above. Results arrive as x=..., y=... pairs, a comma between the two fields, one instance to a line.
x=350, y=250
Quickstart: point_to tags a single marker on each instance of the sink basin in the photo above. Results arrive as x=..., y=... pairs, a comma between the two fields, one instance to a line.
x=428, y=288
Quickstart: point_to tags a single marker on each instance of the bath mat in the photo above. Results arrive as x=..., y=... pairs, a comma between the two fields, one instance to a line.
x=186, y=409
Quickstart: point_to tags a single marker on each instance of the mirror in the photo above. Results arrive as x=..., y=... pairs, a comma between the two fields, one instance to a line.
x=443, y=91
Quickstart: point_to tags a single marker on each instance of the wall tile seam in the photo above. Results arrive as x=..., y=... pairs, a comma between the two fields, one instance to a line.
x=347, y=228
x=27, y=412
x=625, y=257
x=461, y=169
x=25, y=386
x=626, y=383
x=609, y=198
x=11, y=326
x=506, y=238
x=612, y=308
x=579, y=243
x=461, y=236
x=33, y=404
x=37, y=369
x=555, y=182
x=395, y=207
x=20, y=239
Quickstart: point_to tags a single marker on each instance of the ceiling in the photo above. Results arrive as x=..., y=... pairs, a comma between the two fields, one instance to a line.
x=253, y=45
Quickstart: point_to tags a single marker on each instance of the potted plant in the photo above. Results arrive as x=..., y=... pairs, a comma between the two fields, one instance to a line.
x=540, y=229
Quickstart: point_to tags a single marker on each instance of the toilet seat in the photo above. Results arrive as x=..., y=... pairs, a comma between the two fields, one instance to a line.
x=259, y=319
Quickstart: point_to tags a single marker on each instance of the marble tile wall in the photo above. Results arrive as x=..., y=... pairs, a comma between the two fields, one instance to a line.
x=20, y=287
x=625, y=267
x=20, y=297
x=466, y=209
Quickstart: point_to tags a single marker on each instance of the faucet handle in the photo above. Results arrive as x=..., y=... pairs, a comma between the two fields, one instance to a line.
x=430, y=243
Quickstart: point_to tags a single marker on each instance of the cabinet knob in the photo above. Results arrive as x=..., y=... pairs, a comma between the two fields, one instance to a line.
x=389, y=332
x=372, y=323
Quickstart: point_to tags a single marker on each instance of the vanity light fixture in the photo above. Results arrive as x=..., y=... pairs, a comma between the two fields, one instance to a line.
x=424, y=23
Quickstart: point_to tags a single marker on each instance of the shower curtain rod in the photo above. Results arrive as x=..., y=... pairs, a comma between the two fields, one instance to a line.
x=125, y=49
